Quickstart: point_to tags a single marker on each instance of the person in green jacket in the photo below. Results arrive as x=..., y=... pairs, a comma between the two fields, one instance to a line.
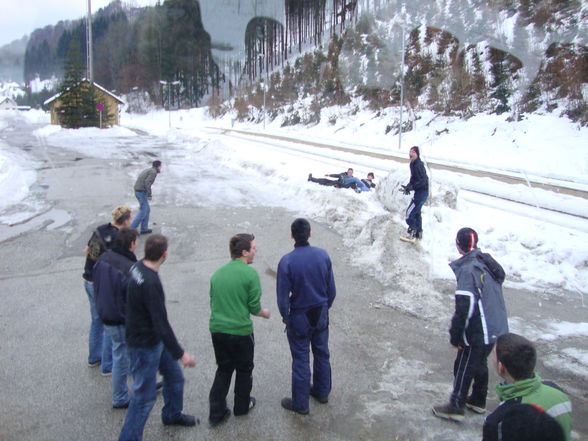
x=515, y=358
x=235, y=293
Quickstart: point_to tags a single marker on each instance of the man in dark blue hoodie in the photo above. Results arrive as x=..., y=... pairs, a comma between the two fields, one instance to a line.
x=419, y=183
x=110, y=275
x=306, y=290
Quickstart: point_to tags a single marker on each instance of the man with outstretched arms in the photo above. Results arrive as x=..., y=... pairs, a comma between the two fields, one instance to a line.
x=152, y=346
x=306, y=290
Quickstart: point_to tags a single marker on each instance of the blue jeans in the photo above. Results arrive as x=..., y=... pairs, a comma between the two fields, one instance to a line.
x=413, y=212
x=309, y=328
x=144, y=210
x=144, y=365
x=347, y=182
x=120, y=364
x=100, y=345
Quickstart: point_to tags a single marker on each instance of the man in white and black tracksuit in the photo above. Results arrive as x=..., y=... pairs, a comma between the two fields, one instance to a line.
x=479, y=319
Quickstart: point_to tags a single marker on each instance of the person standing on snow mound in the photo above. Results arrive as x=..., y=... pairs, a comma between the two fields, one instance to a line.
x=419, y=183
x=479, y=319
x=143, y=194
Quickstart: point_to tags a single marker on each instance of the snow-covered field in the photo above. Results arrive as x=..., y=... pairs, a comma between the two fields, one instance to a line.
x=543, y=251
x=539, y=249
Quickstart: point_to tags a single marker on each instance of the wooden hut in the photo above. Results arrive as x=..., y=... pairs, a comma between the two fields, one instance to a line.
x=106, y=102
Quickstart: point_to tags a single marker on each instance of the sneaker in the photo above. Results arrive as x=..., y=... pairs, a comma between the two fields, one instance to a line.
x=322, y=400
x=147, y=231
x=121, y=406
x=475, y=407
x=252, y=402
x=106, y=374
x=183, y=420
x=94, y=363
x=224, y=418
x=449, y=412
x=357, y=190
x=288, y=405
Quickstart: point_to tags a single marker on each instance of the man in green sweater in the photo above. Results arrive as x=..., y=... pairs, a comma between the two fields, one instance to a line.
x=235, y=294
x=515, y=359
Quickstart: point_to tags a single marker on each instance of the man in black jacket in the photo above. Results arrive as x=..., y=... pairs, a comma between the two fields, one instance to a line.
x=419, y=183
x=152, y=346
x=102, y=239
x=110, y=277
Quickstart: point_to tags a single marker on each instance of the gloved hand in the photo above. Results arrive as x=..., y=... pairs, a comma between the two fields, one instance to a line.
x=405, y=189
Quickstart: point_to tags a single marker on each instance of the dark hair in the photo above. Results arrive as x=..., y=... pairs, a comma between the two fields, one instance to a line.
x=525, y=422
x=466, y=239
x=517, y=354
x=125, y=237
x=371, y=174
x=239, y=243
x=300, y=230
x=156, y=163
x=155, y=246
x=416, y=150
x=349, y=169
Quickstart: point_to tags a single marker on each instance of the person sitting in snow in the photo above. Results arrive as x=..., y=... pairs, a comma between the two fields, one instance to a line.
x=343, y=180
x=369, y=181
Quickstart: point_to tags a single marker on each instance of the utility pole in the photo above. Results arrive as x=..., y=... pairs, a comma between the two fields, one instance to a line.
x=89, y=61
x=401, y=86
x=169, y=84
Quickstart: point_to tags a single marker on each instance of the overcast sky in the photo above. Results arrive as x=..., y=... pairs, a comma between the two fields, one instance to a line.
x=21, y=17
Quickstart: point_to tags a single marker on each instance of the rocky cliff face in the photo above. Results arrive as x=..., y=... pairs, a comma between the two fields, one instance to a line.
x=467, y=56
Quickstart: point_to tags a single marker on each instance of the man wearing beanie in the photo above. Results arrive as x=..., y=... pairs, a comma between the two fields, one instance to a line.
x=479, y=319
x=419, y=183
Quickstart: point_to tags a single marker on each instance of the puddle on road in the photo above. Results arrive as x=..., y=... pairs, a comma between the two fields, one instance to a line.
x=49, y=220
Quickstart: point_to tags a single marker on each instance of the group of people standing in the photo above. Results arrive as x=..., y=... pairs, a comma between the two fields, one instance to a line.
x=130, y=335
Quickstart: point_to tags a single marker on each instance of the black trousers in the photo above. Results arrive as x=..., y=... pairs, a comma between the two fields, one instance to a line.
x=325, y=181
x=470, y=365
x=232, y=353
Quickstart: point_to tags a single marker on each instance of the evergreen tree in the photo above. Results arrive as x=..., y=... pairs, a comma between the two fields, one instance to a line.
x=77, y=106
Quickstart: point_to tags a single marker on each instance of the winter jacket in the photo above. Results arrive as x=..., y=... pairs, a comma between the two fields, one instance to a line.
x=480, y=313
x=418, y=176
x=524, y=422
x=145, y=180
x=110, y=276
x=544, y=394
x=368, y=183
x=146, y=322
x=101, y=240
x=305, y=280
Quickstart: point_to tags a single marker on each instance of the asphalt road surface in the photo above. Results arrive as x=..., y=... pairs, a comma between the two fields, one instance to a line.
x=389, y=367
